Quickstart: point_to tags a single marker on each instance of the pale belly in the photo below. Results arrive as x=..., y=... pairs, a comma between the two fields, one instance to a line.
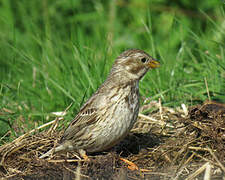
x=116, y=126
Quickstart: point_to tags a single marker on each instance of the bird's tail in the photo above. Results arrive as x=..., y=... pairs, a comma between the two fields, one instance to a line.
x=47, y=154
x=52, y=151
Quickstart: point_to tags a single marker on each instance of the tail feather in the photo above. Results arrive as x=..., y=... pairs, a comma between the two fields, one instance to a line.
x=52, y=151
x=47, y=154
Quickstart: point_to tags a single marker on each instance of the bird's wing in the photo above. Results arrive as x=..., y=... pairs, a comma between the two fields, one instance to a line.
x=88, y=115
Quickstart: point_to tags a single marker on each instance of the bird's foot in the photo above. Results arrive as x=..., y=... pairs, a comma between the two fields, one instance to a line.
x=84, y=155
x=131, y=165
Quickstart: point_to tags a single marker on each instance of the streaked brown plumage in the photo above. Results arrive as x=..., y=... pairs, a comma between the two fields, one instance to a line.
x=110, y=113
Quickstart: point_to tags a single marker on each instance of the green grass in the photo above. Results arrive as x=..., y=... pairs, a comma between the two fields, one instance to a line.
x=54, y=53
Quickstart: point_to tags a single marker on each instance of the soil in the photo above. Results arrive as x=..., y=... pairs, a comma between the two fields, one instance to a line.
x=165, y=143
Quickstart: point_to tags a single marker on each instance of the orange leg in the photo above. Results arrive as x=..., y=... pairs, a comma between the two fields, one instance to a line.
x=131, y=165
x=84, y=155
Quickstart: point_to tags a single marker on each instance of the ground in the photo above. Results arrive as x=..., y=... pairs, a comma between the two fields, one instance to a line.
x=164, y=144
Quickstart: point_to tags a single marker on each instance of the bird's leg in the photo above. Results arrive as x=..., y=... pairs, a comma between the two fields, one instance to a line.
x=83, y=155
x=131, y=165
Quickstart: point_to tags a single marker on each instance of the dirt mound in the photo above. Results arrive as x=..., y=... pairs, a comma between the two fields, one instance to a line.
x=165, y=143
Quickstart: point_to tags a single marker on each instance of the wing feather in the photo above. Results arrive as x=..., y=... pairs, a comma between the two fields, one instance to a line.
x=88, y=115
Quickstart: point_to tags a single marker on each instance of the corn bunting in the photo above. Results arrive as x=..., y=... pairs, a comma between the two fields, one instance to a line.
x=108, y=116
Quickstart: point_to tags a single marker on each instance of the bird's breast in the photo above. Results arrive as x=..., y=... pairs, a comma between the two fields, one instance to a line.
x=119, y=113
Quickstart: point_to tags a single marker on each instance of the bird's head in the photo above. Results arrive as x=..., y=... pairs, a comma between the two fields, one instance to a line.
x=133, y=64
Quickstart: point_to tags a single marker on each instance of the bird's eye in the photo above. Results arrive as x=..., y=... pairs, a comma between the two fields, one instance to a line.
x=143, y=60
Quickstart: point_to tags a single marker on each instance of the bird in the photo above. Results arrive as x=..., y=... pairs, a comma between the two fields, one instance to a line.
x=110, y=113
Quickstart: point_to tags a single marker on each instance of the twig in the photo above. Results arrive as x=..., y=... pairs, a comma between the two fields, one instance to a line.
x=179, y=172
x=198, y=148
x=162, y=123
x=157, y=173
x=184, y=165
x=160, y=108
x=217, y=160
x=197, y=172
x=184, y=109
x=17, y=140
x=55, y=124
x=75, y=173
x=6, y=134
x=205, y=159
x=207, y=88
x=65, y=160
x=78, y=172
x=33, y=130
x=207, y=172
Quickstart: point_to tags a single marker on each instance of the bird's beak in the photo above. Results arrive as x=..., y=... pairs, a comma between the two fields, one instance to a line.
x=153, y=63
